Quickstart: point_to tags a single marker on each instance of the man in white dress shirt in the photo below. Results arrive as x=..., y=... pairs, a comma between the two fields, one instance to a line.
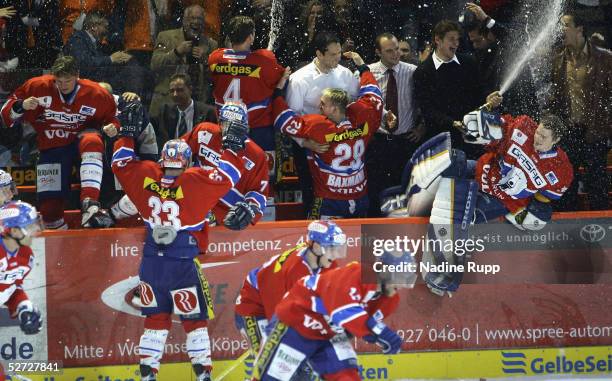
x=391, y=148
x=304, y=96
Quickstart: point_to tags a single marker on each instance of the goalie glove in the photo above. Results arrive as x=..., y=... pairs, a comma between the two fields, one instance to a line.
x=240, y=216
x=235, y=136
x=29, y=317
x=131, y=119
x=534, y=217
x=383, y=336
x=482, y=127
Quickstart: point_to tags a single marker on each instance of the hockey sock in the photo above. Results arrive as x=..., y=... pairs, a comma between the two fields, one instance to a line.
x=151, y=347
x=198, y=343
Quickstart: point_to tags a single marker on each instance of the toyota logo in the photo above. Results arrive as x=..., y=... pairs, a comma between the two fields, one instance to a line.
x=592, y=233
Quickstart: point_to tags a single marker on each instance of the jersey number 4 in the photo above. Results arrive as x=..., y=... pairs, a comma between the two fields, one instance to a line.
x=232, y=93
x=171, y=210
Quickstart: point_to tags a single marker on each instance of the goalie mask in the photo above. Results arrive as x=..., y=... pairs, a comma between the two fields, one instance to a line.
x=330, y=238
x=175, y=154
x=22, y=216
x=8, y=189
x=233, y=112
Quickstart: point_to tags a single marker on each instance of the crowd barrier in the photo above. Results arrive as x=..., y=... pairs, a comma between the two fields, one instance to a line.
x=546, y=312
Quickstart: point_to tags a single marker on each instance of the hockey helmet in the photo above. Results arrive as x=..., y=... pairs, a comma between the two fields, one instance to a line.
x=7, y=187
x=329, y=236
x=176, y=153
x=234, y=112
x=20, y=215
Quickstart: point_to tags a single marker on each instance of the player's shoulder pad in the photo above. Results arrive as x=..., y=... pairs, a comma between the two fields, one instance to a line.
x=44, y=81
x=208, y=126
x=317, y=119
x=254, y=149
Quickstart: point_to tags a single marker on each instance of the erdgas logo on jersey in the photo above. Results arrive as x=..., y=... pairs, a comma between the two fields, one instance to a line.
x=236, y=69
x=348, y=134
x=64, y=117
x=153, y=186
x=528, y=165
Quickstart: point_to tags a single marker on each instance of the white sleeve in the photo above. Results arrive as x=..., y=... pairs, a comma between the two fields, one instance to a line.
x=296, y=91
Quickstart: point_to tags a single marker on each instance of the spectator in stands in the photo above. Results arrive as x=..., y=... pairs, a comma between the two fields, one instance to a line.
x=489, y=39
x=85, y=46
x=582, y=95
x=178, y=117
x=392, y=146
x=304, y=96
x=32, y=33
x=259, y=11
x=295, y=51
x=183, y=50
x=406, y=52
x=73, y=12
x=447, y=86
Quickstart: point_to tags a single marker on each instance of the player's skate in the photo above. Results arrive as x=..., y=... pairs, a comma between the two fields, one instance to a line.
x=201, y=373
x=92, y=216
x=146, y=373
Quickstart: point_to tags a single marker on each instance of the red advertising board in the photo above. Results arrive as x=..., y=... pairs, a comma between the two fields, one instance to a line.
x=91, y=322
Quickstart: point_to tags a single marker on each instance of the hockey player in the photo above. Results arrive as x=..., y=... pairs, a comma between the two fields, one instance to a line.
x=8, y=190
x=174, y=201
x=313, y=320
x=19, y=223
x=325, y=244
x=67, y=113
x=265, y=286
x=245, y=203
x=241, y=75
x=521, y=173
x=340, y=181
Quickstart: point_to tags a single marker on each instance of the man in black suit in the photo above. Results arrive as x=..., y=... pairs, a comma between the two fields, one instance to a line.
x=84, y=45
x=177, y=118
x=447, y=86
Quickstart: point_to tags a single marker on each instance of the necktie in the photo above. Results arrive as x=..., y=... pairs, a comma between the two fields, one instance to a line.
x=391, y=99
x=182, y=125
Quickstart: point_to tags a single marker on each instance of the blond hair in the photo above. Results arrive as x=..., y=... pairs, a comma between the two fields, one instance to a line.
x=338, y=97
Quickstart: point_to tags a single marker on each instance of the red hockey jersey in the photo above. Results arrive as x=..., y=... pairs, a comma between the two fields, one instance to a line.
x=205, y=141
x=248, y=302
x=249, y=77
x=280, y=273
x=182, y=202
x=14, y=267
x=339, y=173
x=321, y=305
x=58, y=120
x=513, y=171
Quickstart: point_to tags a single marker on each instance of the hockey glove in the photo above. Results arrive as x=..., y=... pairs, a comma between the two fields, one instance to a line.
x=240, y=216
x=235, y=136
x=29, y=319
x=383, y=336
x=131, y=119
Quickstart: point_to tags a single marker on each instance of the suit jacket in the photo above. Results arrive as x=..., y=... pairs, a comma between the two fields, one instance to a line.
x=165, y=123
x=165, y=63
x=93, y=63
x=598, y=118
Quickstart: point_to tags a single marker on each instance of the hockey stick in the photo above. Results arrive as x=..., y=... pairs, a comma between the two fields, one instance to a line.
x=233, y=366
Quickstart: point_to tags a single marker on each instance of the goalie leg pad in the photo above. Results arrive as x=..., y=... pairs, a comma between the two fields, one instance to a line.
x=451, y=216
x=430, y=160
x=151, y=347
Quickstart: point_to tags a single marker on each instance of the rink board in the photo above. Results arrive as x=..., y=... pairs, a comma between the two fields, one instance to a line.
x=84, y=281
x=441, y=365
